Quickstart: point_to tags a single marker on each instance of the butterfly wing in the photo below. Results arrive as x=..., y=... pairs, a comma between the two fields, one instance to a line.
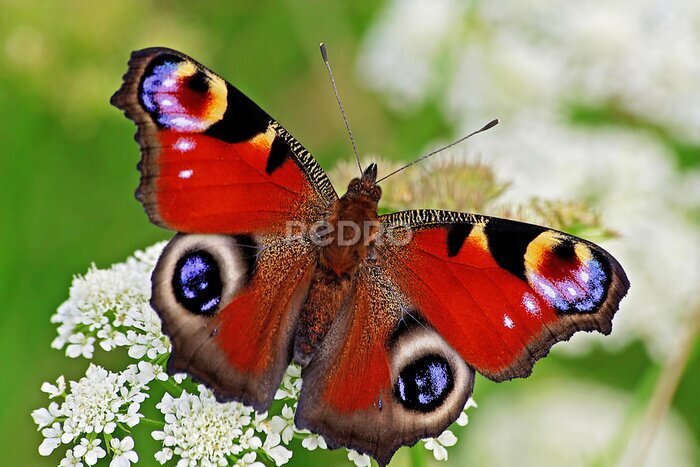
x=446, y=293
x=212, y=161
x=221, y=171
x=501, y=292
x=381, y=378
x=229, y=305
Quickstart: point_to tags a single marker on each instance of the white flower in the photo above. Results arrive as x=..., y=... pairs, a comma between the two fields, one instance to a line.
x=179, y=377
x=55, y=390
x=275, y=450
x=360, y=460
x=146, y=338
x=261, y=422
x=148, y=372
x=438, y=445
x=89, y=450
x=132, y=417
x=70, y=460
x=52, y=439
x=93, y=405
x=124, y=453
x=45, y=417
x=95, y=402
x=249, y=441
x=80, y=344
x=249, y=460
x=108, y=336
x=164, y=455
x=291, y=384
x=312, y=442
x=283, y=425
x=463, y=419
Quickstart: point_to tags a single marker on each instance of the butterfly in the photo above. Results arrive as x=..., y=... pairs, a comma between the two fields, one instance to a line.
x=389, y=316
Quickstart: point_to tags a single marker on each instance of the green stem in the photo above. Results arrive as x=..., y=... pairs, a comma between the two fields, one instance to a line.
x=108, y=443
x=153, y=423
x=171, y=387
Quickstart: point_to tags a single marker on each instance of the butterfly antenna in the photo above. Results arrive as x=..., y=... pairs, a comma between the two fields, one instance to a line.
x=488, y=126
x=324, y=54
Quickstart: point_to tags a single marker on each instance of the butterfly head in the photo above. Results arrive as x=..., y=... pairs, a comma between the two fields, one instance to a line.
x=366, y=185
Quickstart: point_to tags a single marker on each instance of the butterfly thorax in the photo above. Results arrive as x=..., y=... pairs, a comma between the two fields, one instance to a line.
x=346, y=239
x=352, y=227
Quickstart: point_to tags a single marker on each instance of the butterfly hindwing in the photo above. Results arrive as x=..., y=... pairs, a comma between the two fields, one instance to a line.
x=381, y=379
x=212, y=160
x=501, y=292
x=229, y=305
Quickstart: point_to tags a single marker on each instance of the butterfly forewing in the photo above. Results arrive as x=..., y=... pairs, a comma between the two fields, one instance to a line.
x=502, y=292
x=212, y=161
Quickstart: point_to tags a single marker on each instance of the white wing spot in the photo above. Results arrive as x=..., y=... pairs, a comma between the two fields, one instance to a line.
x=184, y=144
x=508, y=322
x=185, y=174
x=530, y=304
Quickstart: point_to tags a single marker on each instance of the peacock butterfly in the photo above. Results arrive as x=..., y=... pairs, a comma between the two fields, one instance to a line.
x=389, y=319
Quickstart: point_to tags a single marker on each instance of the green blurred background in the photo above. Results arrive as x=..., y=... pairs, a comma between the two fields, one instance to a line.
x=67, y=176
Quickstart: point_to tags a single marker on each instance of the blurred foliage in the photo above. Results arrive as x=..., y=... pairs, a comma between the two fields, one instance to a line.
x=67, y=165
x=687, y=152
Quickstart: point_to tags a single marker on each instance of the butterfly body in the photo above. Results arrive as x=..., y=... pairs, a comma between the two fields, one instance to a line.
x=389, y=316
x=351, y=230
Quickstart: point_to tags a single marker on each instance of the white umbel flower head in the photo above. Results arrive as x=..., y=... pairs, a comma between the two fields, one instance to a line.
x=95, y=402
x=105, y=304
x=202, y=430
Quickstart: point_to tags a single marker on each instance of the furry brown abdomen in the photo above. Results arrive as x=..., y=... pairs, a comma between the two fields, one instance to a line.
x=326, y=296
x=352, y=228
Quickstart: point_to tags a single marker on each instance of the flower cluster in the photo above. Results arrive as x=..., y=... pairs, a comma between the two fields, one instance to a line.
x=201, y=431
x=93, y=417
x=94, y=408
x=110, y=307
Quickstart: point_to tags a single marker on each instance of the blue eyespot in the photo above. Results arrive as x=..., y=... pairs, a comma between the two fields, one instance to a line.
x=197, y=283
x=581, y=292
x=424, y=384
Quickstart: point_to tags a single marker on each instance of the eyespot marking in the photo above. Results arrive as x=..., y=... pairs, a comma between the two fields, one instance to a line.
x=565, y=274
x=424, y=384
x=180, y=96
x=197, y=283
